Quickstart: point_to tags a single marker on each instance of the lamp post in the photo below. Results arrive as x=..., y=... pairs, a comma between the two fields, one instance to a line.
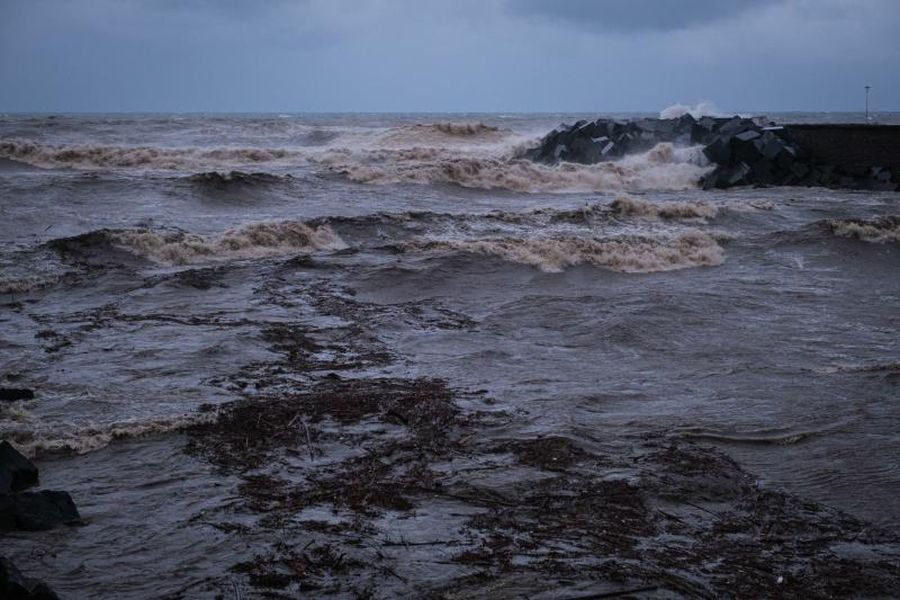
x=868, y=87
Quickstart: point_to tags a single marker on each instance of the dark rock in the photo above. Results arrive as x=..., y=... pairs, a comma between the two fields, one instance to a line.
x=828, y=175
x=590, y=130
x=585, y=150
x=603, y=139
x=740, y=175
x=744, y=151
x=800, y=170
x=856, y=171
x=846, y=181
x=12, y=394
x=686, y=122
x=734, y=176
x=559, y=150
x=762, y=172
x=718, y=152
x=813, y=177
x=16, y=471
x=786, y=157
x=610, y=148
x=15, y=586
x=728, y=176
x=37, y=511
x=771, y=145
x=735, y=126
x=747, y=136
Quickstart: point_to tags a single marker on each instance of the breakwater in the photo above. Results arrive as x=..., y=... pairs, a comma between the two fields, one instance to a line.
x=743, y=151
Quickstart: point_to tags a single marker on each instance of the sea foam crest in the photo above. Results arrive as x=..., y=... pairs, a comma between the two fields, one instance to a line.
x=631, y=207
x=701, y=109
x=661, y=168
x=634, y=254
x=20, y=429
x=881, y=230
x=96, y=156
x=250, y=241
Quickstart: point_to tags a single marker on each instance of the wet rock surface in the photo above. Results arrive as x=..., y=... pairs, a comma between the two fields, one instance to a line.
x=37, y=511
x=16, y=472
x=29, y=511
x=743, y=151
x=13, y=394
x=15, y=586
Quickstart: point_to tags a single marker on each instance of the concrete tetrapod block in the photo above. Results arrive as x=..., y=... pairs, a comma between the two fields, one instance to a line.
x=718, y=152
x=744, y=151
x=747, y=136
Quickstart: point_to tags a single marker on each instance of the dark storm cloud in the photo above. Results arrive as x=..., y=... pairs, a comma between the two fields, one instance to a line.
x=635, y=15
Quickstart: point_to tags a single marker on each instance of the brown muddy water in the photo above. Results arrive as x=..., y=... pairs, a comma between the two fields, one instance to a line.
x=387, y=358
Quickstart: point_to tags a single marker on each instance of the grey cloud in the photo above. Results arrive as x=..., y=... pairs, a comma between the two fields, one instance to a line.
x=635, y=15
x=445, y=55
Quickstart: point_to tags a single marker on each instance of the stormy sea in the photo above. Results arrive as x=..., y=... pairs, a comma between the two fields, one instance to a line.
x=376, y=356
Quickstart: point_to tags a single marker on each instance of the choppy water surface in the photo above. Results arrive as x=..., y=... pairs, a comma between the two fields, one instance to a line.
x=141, y=279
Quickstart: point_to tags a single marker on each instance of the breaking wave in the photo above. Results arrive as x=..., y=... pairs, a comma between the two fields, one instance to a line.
x=81, y=440
x=887, y=367
x=773, y=438
x=626, y=254
x=471, y=155
x=455, y=129
x=632, y=207
x=461, y=128
x=179, y=247
x=881, y=230
x=233, y=178
x=90, y=156
x=20, y=285
x=662, y=168
x=701, y=109
x=443, y=133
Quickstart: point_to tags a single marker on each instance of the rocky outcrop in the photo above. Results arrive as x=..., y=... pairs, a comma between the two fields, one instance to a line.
x=37, y=511
x=15, y=586
x=589, y=142
x=29, y=511
x=13, y=394
x=16, y=472
x=742, y=151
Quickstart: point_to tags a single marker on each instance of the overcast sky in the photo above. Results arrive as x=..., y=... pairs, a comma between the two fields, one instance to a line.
x=447, y=55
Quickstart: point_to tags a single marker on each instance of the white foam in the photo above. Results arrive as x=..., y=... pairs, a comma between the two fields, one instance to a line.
x=443, y=133
x=31, y=441
x=878, y=231
x=635, y=254
x=250, y=241
x=661, y=168
x=627, y=206
x=97, y=156
x=701, y=109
